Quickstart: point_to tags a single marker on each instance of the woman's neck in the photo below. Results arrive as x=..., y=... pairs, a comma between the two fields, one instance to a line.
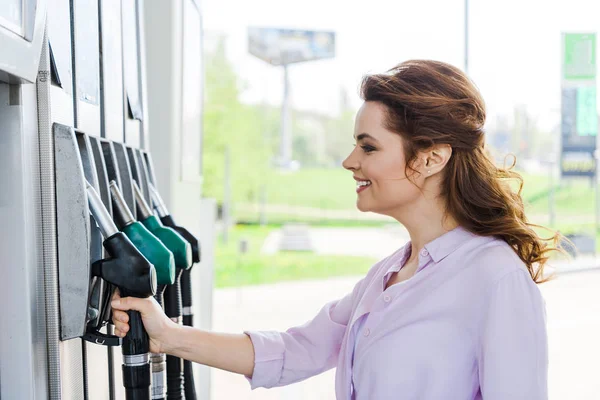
x=426, y=222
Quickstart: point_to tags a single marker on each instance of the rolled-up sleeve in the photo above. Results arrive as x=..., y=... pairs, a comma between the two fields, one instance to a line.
x=282, y=358
x=513, y=357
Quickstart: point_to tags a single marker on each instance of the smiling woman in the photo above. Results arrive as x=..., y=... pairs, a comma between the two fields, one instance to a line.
x=453, y=314
x=421, y=133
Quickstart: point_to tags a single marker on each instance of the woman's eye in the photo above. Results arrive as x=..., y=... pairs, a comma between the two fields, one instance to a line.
x=367, y=149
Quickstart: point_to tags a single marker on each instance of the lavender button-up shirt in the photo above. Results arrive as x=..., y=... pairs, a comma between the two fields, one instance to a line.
x=470, y=324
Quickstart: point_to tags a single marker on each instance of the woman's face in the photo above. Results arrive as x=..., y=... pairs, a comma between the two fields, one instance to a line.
x=379, y=165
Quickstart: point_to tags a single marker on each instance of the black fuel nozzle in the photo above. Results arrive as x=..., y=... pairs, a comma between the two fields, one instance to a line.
x=168, y=220
x=126, y=268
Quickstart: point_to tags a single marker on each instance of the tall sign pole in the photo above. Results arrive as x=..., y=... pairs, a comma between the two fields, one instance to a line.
x=286, y=135
x=579, y=115
x=283, y=47
x=467, y=37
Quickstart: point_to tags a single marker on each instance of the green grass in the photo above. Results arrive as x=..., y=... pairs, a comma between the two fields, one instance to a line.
x=332, y=189
x=235, y=269
x=570, y=197
x=279, y=219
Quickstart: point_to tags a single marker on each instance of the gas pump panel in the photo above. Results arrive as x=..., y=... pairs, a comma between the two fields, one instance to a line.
x=97, y=294
x=133, y=101
x=124, y=170
x=145, y=174
x=150, y=165
x=82, y=295
x=61, y=71
x=102, y=172
x=87, y=66
x=138, y=172
x=21, y=35
x=111, y=72
x=74, y=237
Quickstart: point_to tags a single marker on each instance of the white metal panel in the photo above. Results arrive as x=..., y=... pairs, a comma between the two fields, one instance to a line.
x=21, y=46
x=23, y=368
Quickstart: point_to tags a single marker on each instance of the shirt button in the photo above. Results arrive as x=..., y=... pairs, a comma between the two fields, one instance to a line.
x=424, y=253
x=387, y=298
x=367, y=332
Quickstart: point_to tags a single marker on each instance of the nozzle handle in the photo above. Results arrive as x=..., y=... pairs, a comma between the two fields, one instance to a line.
x=126, y=268
x=168, y=220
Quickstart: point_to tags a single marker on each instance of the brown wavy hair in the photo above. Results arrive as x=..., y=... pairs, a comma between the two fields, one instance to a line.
x=431, y=102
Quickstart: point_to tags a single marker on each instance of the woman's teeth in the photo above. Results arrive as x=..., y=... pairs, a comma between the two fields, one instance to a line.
x=363, y=183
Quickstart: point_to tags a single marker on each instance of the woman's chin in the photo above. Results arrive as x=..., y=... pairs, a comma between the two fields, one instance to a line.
x=362, y=206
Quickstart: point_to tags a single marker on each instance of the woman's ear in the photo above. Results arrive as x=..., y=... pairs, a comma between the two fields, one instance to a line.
x=435, y=159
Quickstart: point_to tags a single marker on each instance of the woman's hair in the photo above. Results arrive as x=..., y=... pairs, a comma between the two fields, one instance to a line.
x=429, y=103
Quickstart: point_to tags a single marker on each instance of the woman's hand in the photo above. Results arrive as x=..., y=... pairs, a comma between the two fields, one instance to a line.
x=157, y=324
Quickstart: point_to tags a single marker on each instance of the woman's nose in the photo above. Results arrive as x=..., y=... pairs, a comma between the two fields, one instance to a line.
x=350, y=163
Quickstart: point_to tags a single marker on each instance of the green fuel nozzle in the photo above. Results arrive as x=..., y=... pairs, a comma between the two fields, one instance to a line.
x=151, y=247
x=167, y=220
x=181, y=248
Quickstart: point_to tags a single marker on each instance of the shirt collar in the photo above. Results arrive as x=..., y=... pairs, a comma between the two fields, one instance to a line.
x=438, y=249
x=400, y=258
x=444, y=245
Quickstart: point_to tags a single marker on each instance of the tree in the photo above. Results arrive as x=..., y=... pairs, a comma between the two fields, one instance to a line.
x=230, y=124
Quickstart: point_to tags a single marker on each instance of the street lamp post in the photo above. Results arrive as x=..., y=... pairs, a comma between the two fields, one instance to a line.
x=466, y=36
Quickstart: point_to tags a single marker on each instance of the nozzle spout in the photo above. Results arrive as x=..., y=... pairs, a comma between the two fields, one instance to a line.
x=119, y=206
x=100, y=213
x=144, y=209
x=159, y=204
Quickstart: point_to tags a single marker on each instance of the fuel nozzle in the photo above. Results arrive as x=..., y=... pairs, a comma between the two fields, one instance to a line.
x=126, y=268
x=167, y=220
x=182, y=250
x=151, y=247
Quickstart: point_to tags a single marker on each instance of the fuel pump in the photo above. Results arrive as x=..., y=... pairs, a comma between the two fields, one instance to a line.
x=172, y=297
x=135, y=276
x=186, y=283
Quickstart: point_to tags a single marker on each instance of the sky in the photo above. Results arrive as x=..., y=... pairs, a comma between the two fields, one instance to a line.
x=514, y=46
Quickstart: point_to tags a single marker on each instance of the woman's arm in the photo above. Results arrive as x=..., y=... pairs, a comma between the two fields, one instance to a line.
x=227, y=351
x=230, y=352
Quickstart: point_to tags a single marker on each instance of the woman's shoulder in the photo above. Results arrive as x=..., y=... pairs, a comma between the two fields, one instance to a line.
x=492, y=258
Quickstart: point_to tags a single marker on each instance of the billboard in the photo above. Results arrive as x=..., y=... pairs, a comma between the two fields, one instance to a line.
x=579, y=117
x=288, y=46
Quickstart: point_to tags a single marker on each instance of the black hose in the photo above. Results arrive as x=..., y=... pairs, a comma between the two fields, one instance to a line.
x=158, y=360
x=188, y=320
x=186, y=296
x=173, y=309
x=136, y=370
